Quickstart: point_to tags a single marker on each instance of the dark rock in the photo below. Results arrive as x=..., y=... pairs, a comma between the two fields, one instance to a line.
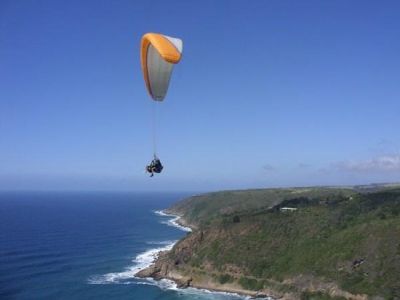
x=358, y=262
x=201, y=236
x=184, y=283
x=148, y=272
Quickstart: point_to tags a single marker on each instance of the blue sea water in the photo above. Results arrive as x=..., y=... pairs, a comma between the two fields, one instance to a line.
x=70, y=245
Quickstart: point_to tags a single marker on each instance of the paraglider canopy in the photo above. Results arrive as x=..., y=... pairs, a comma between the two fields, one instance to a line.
x=159, y=53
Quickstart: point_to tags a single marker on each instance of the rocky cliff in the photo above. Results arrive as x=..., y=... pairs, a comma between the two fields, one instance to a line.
x=341, y=244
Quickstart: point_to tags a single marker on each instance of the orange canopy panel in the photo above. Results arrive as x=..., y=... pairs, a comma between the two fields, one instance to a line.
x=158, y=55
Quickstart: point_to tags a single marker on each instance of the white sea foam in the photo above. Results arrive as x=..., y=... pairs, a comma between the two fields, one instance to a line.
x=148, y=257
x=160, y=242
x=162, y=213
x=166, y=284
x=172, y=222
x=217, y=295
x=141, y=261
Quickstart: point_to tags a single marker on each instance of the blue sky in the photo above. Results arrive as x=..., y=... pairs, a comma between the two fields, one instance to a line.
x=268, y=93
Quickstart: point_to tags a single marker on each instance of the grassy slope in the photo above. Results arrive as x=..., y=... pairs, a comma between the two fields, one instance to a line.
x=204, y=208
x=330, y=230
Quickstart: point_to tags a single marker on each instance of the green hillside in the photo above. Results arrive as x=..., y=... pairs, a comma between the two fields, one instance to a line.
x=340, y=236
x=204, y=208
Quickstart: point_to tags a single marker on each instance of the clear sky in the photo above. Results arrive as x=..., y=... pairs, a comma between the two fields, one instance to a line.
x=268, y=93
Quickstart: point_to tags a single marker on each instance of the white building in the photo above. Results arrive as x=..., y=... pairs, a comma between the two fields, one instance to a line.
x=288, y=208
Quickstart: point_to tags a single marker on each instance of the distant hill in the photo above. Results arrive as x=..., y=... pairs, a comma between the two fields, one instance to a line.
x=202, y=209
x=334, y=242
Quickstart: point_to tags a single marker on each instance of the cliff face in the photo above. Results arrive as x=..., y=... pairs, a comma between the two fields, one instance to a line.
x=342, y=244
x=172, y=264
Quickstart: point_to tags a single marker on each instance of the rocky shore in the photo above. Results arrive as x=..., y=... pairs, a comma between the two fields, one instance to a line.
x=162, y=269
x=165, y=268
x=173, y=265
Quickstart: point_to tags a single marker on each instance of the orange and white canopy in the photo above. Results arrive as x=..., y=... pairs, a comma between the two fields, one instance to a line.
x=159, y=53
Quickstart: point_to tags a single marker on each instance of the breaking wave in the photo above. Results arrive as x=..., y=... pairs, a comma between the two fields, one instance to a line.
x=145, y=259
x=141, y=261
x=172, y=222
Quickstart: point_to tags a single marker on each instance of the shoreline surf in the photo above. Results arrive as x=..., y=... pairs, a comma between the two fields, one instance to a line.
x=174, y=222
x=145, y=259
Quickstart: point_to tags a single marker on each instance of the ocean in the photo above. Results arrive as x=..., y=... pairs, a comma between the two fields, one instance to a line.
x=87, y=245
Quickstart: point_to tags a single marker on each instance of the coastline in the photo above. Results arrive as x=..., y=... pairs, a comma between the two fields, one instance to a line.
x=170, y=265
x=159, y=270
x=176, y=221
